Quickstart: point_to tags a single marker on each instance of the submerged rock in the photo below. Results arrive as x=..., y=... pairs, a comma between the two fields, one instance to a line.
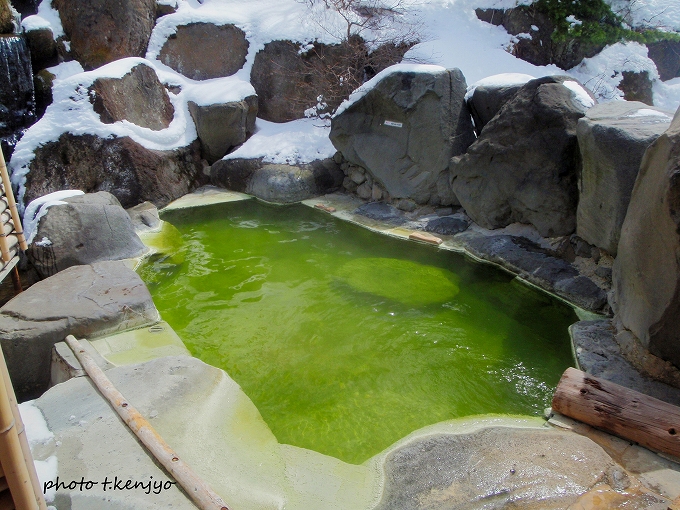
x=101, y=31
x=612, y=137
x=646, y=276
x=536, y=265
x=524, y=165
x=120, y=166
x=276, y=182
x=405, y=129
x=138, y=97
x=201, y=51
x=86, y=229
x=83, y=301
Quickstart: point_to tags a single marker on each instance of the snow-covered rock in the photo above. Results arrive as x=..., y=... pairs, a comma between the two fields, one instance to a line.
x=83, y=229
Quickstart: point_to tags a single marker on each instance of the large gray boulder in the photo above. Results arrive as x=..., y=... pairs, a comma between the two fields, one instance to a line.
x=138, y=97
x=405, y=129
x=101, y=31
x=84, y=301
x=493, y=468
x=612, y=137
x=121, y=166
x=524, y=165
x=646, y=273
x=86, y=229
x=201, y=51
x=276, y=182
x=223, y=126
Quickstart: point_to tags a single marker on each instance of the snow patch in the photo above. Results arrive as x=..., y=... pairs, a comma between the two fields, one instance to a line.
x=35, y=22
x=499, y=80
x=646, y=112
x=581, y=95
x=297, y=142
x=38, y=208
x=598, y=73
x=36, y=426
x=371, y=84
x=38, y=433
x=218, y=91
x=50, y=15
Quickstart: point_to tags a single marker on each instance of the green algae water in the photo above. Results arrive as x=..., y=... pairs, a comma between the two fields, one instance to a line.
x=347, y=340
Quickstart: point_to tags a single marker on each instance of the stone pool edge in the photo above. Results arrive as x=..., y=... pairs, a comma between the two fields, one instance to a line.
x=376, y=465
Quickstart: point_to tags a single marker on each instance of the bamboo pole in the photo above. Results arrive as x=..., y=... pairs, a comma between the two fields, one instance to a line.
x=16, y=219
x=16, y=470
x=200, y=493
x=21, y=431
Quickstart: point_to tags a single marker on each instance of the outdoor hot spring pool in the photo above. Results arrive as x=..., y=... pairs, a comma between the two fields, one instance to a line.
x=347, y=340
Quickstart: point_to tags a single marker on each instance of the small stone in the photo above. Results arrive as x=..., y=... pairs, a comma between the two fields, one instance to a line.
x=365, y=191
x=349, y=185
x=406, y=204
x=357, y=175
x=377, y=193
x=444, y=211
x=337, y=157
x=604, y=272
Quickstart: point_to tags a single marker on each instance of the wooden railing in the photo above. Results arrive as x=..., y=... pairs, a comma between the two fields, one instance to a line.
x=11, y=232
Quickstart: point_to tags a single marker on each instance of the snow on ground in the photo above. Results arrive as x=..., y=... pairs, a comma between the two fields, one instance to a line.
x=37, y=434
x=659, y=14
x=452, y=37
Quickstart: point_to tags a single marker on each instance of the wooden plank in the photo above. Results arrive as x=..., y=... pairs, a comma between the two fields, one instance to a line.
x=621, y=411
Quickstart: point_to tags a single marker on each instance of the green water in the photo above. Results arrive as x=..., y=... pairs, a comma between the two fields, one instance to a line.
x=347, y=340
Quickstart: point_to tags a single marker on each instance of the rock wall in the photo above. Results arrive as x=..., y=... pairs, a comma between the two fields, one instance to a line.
x=646, y=277
x=613, y=138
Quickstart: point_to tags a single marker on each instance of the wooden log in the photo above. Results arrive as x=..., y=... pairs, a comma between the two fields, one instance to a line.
x=200, y=493
x=621, y=411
